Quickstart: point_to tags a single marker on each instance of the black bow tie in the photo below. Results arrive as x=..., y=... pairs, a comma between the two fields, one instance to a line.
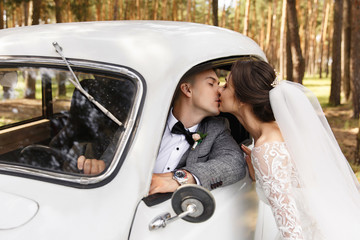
x=179, y=128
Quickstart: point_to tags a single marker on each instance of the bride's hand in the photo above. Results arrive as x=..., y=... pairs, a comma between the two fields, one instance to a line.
x=247, y=151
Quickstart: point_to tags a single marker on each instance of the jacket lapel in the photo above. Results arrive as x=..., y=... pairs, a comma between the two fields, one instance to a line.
x=191, y=156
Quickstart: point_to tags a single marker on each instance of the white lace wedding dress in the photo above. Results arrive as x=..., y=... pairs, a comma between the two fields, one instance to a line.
x=277, y=185
x=306, y=180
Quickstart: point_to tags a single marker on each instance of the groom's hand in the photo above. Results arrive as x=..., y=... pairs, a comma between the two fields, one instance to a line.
x=164, y=182
x=90, y=166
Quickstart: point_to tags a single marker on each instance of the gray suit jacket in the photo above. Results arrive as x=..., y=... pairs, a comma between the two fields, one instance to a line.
x=217, y=160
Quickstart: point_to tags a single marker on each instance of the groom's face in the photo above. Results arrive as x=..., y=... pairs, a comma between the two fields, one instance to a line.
x=205, y=95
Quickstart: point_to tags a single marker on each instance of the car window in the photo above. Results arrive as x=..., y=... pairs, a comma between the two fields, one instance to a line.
x=46, y=123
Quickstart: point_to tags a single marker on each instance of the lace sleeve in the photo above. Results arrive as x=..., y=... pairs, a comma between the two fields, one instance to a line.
x=275, y=175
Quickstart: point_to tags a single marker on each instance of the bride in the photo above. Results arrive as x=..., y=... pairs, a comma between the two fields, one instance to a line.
x=299, y=168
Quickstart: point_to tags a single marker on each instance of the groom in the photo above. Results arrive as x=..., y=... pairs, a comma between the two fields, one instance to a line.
x=215, y=161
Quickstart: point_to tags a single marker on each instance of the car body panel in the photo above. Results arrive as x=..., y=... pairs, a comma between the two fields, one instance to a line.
x=232, y=202
x=161, y=53
x=16, y=210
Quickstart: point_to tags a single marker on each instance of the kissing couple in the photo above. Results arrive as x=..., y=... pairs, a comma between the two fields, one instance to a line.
x=298, y=166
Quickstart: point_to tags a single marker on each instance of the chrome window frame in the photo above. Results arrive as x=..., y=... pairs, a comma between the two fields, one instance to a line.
x=77, y=180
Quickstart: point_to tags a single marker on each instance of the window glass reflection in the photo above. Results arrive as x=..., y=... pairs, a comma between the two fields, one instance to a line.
x=47, y=123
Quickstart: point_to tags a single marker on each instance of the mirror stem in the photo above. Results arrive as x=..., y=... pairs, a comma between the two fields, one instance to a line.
x=163, y=220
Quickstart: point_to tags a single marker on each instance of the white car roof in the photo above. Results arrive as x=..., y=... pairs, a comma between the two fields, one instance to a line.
x=160, y=51
x=145, y=46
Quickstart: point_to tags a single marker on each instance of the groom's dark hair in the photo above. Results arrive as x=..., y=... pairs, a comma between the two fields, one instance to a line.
x=252, y=81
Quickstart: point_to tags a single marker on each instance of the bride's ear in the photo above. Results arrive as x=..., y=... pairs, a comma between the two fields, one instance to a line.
x=240, y=104
x=244, y=107
x=186, y=89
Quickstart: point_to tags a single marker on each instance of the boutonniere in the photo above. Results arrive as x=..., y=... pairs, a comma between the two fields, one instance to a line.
x=198, y=138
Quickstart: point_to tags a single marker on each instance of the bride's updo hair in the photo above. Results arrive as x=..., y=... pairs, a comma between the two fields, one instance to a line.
x=252, y=81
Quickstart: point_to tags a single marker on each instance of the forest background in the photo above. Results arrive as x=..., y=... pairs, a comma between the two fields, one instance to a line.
x=314, y=42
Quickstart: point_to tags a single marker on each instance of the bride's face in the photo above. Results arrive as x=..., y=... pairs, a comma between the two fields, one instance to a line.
x=228, y=102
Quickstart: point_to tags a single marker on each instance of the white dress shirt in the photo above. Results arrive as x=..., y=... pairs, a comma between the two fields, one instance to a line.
x=172, y=148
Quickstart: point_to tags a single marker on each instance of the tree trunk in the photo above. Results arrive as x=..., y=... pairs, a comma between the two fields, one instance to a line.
x=302, y=12
x=271, y=33
x=246, y=19
x=236, y=17
x=116, y=10
x=2, y=12
x=69, y=12
x=297, y=58
x=188, y=14
x=26, y=13
x=156, y=5
x=273, y=36
x=354, y=69
x=289, y=64
x=312, y=39
x=208, y=15
x=328, y=41
x=99, y=16
x=357, y=150
x=109, y=11
x=182, y=7
x=138, y=17
x=282, y=50
x=121, y=10
x=355, y=56
x=346, y=50
x=215, y=12
x=61, y=79
x=174, y=10
x=16, y=17
x=146, y=10
x=263, y=30
x=336, y=55
x=255, y=27
x=308, y=13
x=193, y=15
x=36, y=12
x=58, y=10
x=323, y=34
x=164, y=10
x=223, y=17
x=268, y=28
x=30, y=89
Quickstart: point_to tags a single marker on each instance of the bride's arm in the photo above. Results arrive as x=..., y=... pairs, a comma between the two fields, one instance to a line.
x=273, y=173
x=247, y=152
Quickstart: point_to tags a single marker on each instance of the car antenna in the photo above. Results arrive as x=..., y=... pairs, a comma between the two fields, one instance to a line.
x=78, y=86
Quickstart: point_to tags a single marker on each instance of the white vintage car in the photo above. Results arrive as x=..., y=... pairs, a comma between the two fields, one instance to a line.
x=66, y=89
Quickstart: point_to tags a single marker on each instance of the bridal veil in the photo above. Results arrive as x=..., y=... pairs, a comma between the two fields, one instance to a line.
x=329, y=188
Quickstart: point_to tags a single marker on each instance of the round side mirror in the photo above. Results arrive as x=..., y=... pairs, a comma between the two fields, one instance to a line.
x=194, y=197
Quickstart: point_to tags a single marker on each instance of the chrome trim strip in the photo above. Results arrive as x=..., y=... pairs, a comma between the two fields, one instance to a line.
x=128, y=125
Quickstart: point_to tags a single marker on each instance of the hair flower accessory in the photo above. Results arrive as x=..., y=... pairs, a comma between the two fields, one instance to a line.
x=198, y=138
x=276, y=80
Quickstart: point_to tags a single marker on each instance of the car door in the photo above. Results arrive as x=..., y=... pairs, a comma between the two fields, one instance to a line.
x=235, y=205
x=234, y=217
x=46, y=123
